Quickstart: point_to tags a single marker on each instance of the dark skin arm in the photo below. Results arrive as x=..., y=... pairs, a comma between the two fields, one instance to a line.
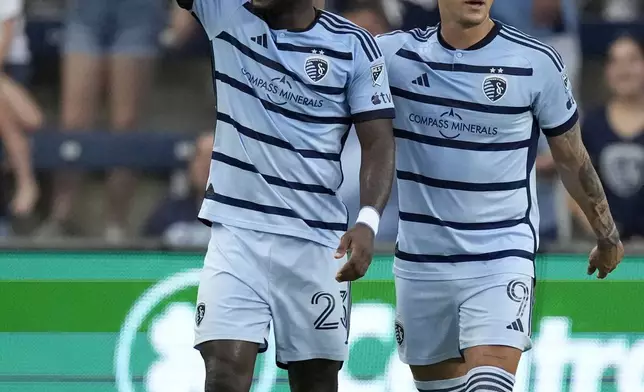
x=376, y=177
x=582, y=182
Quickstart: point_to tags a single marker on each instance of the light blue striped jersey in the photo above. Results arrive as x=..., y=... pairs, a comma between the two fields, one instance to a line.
x=286, y=102
x=467, y=130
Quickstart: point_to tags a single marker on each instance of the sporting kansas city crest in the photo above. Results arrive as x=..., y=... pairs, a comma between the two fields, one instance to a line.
x=316, y=68
x=494, y=87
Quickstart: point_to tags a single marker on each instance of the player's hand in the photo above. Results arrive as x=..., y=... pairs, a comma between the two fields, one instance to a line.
x=605, y=257
x=359, y=241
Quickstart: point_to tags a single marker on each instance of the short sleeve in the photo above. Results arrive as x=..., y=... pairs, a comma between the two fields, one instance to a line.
x=10, y=9
x=368, y=92
x=554, y=107
x=211, y=13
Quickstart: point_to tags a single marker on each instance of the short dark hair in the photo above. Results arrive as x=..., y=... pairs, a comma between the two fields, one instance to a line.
x=627, y=35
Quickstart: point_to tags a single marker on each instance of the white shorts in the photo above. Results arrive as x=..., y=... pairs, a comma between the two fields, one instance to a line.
x=437, y=320
x=252, y=279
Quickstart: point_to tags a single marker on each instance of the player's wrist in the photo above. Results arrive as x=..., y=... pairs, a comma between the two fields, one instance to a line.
x=369, y=217
x=610, y=239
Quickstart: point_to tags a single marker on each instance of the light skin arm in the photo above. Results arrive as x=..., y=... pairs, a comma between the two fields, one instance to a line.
x=376, y=178
x=6, y=37
x=582, y=182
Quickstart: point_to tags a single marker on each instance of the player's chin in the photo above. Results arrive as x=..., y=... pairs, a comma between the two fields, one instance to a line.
x=471, y=19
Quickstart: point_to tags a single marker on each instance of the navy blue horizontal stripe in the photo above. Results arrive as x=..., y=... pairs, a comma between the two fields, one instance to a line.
x=389, y=113
x=248, y=205
x=563, y=128
x=274, y=65
x=298, y=186
x=343, y=23
x=310, y=50
x=457, y=104
x=261, y=137
x=418, y=258
x=510, y=38
x=466, y=68
x=460, y=144
x=244, y=88
x=430, y=220
x=461, y=186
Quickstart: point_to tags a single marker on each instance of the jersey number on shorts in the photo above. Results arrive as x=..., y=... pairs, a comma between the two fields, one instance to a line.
x=329, y=301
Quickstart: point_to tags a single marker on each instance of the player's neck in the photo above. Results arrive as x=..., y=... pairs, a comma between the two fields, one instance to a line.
x=460, y=37
x=299, y=17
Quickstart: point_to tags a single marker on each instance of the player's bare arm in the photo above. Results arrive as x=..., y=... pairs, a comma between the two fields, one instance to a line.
x=376, y=178
x=582, y=182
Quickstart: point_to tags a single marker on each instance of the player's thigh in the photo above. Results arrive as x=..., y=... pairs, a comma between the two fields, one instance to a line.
x=232, y=298
x=229, y=364
x=496, y=319
x=311, y=310
x=315, y=375
x=427, y=328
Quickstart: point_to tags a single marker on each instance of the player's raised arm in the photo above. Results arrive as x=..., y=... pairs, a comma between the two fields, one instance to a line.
x=372, y=109
x=556, y=110
x=211, y=13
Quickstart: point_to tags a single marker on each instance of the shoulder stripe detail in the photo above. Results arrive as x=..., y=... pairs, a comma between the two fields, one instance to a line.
x=395, y=32
x=249, y=167
x=287, y=212
x=461, y=186
x=313, y=50
x=430, y=220
x=244, y=88
x=367, y=42
x=541, y=49
x=273, y=141
x=351, y=26
x=420, y=258
x=265, y=61
x=460, y=144
x=477, y=69
x=457, y=104
x=527, y=37
x=422, y=35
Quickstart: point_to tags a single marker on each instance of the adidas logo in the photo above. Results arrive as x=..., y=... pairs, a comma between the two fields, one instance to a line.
x=422, y=80
x=210, y=192
x=261, y=40
x=516, y=326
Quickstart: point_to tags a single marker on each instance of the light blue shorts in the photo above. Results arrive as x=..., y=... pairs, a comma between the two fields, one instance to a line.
x=436, y=320
x=114, y=27
x=253, y=280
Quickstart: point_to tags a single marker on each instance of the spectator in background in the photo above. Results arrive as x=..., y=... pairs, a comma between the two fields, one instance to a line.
x=18, y=112
x=175, y=220
x=109, y=52
x=614, y=137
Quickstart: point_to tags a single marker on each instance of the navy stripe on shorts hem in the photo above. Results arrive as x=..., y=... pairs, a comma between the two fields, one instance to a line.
x=464, y=258
x=381, y=114
x=563, y=128
x=271, y=210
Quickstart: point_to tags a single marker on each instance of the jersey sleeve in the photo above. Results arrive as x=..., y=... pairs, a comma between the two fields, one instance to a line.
x=211, y=13
x=368, y=91
x=554, y=107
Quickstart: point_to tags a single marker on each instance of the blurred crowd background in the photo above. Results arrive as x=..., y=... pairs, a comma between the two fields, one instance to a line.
x=107, y=113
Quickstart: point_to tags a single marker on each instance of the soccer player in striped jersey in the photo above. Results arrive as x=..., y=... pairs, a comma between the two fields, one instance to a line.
x=472, y=96
x=291, y=80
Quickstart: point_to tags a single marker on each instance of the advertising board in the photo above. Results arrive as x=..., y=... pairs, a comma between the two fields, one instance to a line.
x=122, y=322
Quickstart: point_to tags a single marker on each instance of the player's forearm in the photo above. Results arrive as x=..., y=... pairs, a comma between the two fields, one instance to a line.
x=582, y=182
x=377, y=168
